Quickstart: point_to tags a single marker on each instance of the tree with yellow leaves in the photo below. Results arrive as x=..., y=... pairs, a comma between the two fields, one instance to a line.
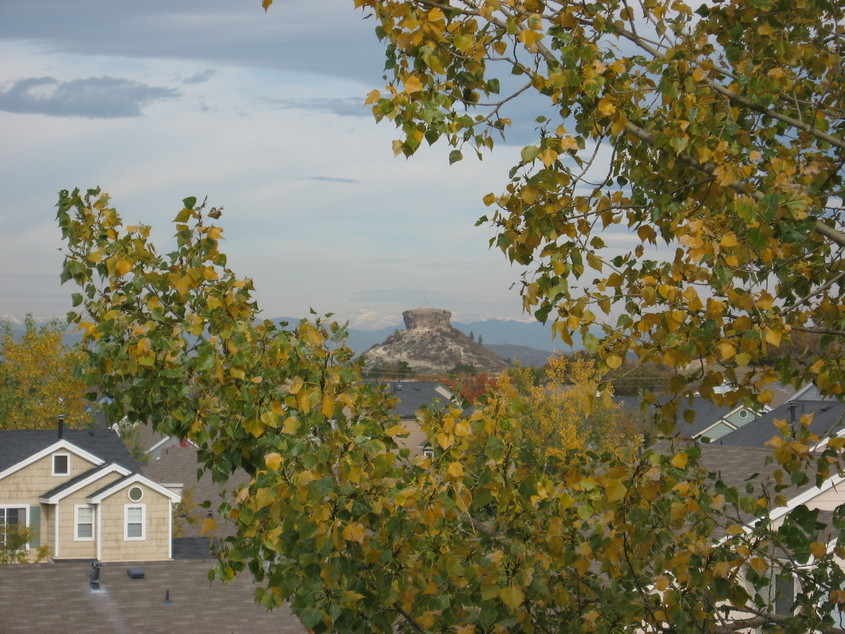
x=681, y=204
x=567, y=410
x=681, y=201
x=479, y=537
x=38, y=381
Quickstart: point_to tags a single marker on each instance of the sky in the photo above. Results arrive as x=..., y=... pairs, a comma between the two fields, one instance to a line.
x=262, y=114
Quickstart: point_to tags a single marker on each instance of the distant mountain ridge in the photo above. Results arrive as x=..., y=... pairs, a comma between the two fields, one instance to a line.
x=531, y=334
x=535, y=337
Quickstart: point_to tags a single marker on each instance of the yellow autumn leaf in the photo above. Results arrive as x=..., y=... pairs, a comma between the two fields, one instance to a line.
x=758, y=564
x=818, y=550
x=606, y=107
x=568, y=143
x=773, y=336
x=208, y=525
x=123, y=266
x=726, y=349
x=615, y=491
x=729, y=240
x=396, y=430
x=328, y=405
x=272, y=461
x=529, y=37
x=455, y=470
x=354, y=532
x=679, y=461
x=463, y=428
x=512, y=597
x=613, y=361
x=413, y=84
x=529, y=194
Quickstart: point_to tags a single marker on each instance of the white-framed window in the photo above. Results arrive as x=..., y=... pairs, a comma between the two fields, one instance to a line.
x=136, y=493
x=427, y=451
x=134, y=522
x=12, y=517
x=83, y=521
x=61, y=464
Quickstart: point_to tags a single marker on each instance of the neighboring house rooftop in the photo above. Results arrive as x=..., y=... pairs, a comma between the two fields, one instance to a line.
x=707, y=413
x=178, y=465
x=58, y=598
x=828, y=419
x=412, y=395
x=18, y=444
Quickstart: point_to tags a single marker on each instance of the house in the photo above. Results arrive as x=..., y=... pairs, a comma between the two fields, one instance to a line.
x=742, y=467
x=83, y=495
x=711, y=421
x=412, y=396
x=828, y=419
x=175, y=464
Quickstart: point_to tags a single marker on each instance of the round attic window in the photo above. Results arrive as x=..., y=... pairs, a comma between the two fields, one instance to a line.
x=136, y=493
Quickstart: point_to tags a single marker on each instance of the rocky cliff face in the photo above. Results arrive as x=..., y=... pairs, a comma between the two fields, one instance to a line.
x=430, y=345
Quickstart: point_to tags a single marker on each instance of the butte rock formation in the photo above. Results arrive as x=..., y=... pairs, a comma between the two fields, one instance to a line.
x=430, y=345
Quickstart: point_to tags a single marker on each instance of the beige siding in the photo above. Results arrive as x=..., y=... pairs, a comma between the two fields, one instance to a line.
x=829, y=500
x=69, y=548
x=26, y=485
x=156, y=542
x=415, y=439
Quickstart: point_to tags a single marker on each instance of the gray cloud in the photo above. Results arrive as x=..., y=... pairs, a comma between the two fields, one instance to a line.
x=215, y=31
x=329, y=179
x=200, y=78
x=345, y=107
x=93, y=97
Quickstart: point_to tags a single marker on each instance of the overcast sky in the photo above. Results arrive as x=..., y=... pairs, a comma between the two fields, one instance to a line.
x=262, y=113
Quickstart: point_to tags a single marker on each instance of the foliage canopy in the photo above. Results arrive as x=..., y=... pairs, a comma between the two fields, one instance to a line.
x=480, y=537
x=725, y=130
x=38, y=381
x=684, y=190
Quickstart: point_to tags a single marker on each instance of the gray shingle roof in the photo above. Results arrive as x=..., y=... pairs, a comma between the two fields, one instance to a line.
x=179, y=465
x=18, y=444
x=73, y=481
x=706, y=413
x=413, y=395
x=829, y=417
x=57, y=598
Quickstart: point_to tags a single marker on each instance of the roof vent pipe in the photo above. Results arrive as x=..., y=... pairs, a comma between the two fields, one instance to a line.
x=95, y=575
x=61, y=425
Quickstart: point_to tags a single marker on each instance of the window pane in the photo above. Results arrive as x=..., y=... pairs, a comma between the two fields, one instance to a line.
x=135, y=521
x=14, y=516
x=10, y=517
x=84, y=522
x=60, y=464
